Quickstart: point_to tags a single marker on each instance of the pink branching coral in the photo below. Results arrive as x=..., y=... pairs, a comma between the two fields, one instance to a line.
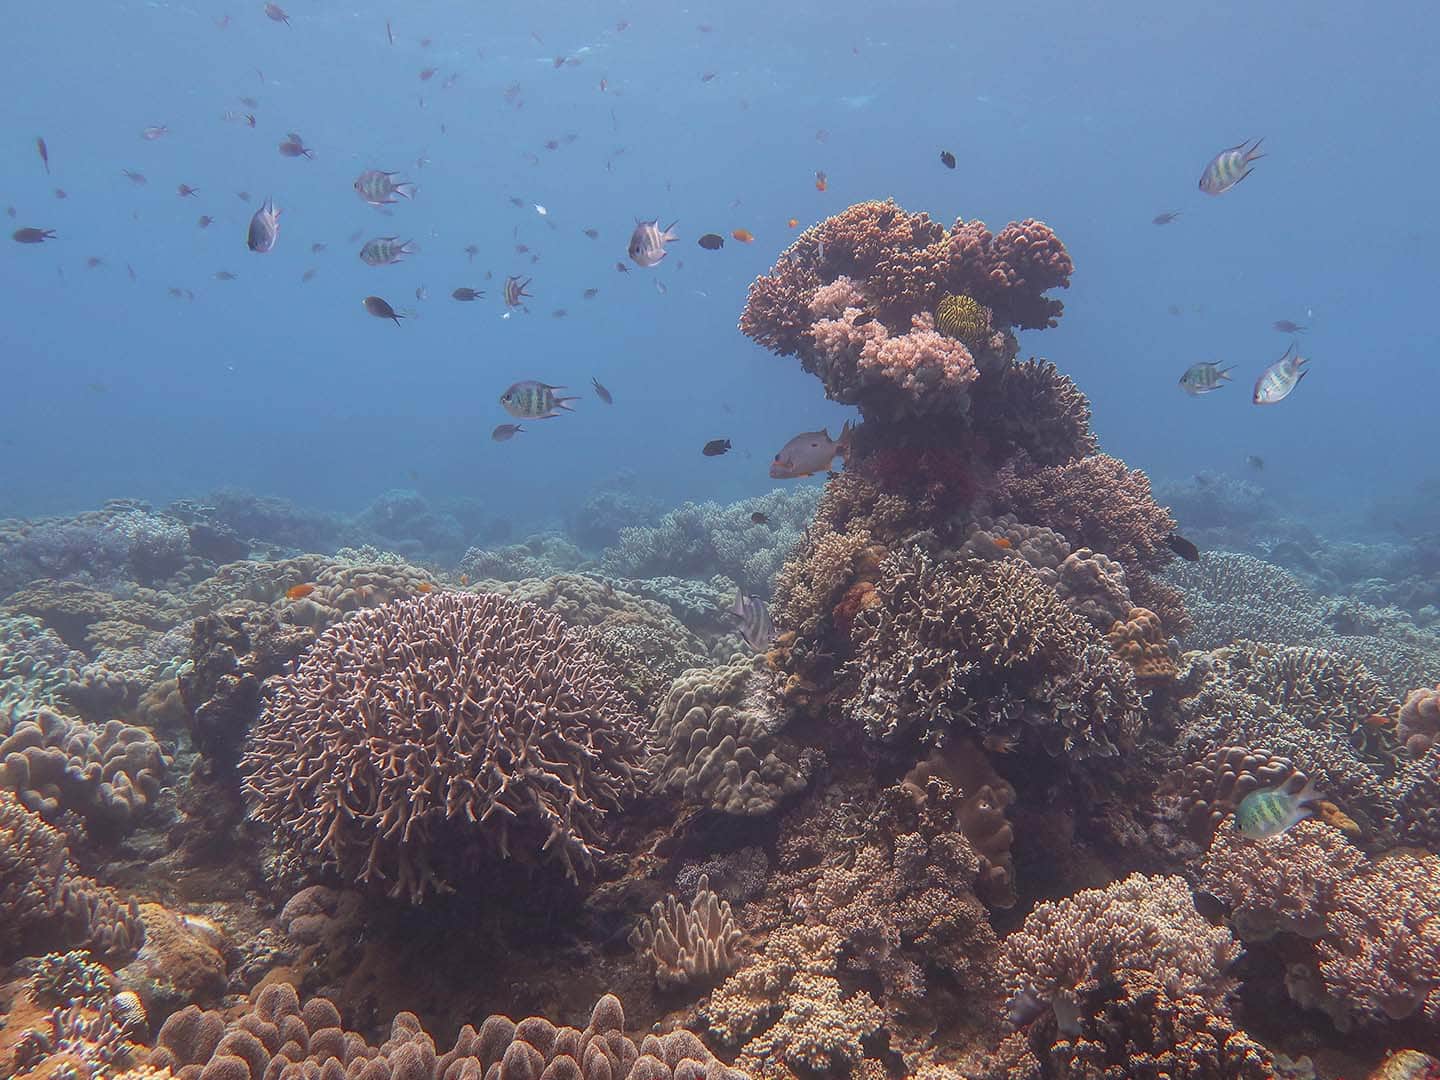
x=416, y=737
x=1373, y=924
x=854, y=296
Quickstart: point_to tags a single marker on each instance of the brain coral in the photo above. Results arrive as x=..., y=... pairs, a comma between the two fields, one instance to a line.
x=413, y=737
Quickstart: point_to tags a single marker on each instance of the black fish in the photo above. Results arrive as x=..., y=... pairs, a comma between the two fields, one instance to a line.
x=381, y=309
x=715, y=447
x=885, y=219
x=863, y=319
x=711, y=241
x=1182, y=547
x=601, y=392
x=947, y=159
x=468, y=295
x=1255, y=461
x=759, y=518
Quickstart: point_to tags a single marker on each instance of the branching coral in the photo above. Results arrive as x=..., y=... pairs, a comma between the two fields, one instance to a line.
x=413, y=737
x=719, y=729
x=694, y=944
x=991, y=649
x=1139, y=940
x=1231, y=596
x=1032, y=407
x=1373, y=924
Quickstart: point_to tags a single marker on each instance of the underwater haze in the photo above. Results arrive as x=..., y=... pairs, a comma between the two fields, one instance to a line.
x=1092, y=119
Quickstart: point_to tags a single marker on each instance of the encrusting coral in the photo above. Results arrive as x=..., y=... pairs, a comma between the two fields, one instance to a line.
x=690, y=945
x=415, y=737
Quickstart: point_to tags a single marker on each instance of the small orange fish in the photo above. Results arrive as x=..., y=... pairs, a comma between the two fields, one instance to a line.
x=1376, y=720
x=424, y=587
x=821, y=181
x=745, y=236
x=1003, y=542
x=298, y=592
x=794, y=223
x=464, y=579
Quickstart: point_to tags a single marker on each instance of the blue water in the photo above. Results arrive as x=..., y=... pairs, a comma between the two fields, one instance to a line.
x=1094, y=118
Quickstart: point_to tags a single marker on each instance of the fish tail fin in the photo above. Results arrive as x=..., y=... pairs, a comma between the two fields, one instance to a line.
x=560, y=402
x=1307, y=796
x=405, y=190
x=1251, y=155
x=844, y=442
x=669, y=233
x=1224, y=373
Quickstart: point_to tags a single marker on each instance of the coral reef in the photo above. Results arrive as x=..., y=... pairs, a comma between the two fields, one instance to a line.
x=1418, y=724
x=689, y=945
x=412, y=738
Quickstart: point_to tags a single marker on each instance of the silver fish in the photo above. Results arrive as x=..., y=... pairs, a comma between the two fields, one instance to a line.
x=264, y=228
x=647, y=242
x=534, y=400
x=159, y=131
x=1229, y=167
x=386, y=250
x=755, y=625
x=1204, y=377
x=379, y=188
x=1278, y=380
x=275, y=13
x=809, y=453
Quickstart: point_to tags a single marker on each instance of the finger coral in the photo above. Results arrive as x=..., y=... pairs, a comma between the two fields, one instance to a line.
x=690, y=945
x=414, y=737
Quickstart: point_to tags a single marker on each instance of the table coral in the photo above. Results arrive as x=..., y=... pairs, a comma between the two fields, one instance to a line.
x=414, y=737
x=722, y=747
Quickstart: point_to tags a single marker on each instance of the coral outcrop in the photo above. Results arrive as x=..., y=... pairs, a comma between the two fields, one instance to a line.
x=415, y=737
x=691, y=944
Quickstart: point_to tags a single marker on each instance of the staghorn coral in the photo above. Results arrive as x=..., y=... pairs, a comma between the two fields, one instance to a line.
x=1231, y=596
x=56, y=764
x=689, y=945
x=71, y=978
x=46, y=904
x=721, y=744
x=516, y=727
x=76, y=1042
x=875, y=259
x=1139, y=942
x=990, y=649
x=786, y=1007
x=1373, y=925
x=1418, y=726
x=278, y=1036
x=1138, y=640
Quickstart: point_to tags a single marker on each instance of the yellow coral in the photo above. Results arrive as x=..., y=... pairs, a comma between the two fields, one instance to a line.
x=964, y=318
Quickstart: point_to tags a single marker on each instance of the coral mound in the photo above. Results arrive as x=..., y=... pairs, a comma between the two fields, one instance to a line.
x=859, y=298
x=416, y=737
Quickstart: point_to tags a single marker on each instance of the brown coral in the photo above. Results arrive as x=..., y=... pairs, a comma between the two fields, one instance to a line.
x=1419, y=722
x=690, y=945
x=1212, y=787
x=988, y=648
x=415, y=737
x=1034, y=408
x=1139, y=641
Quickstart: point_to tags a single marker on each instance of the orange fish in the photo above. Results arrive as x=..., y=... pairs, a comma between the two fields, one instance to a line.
x=745, y=236
x=794, y=223
x=298, y=592
x=821, y=181
x=1003, y=542
x=424, y=587
x=464, y=579
x=1376, y=720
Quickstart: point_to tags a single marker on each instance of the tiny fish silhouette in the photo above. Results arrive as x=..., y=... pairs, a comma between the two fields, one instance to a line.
x=381, y=309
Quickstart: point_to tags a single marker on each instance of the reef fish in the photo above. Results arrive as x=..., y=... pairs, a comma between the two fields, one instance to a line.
x=755, y=625
x=515, y=294
x=32, y=236
x=381, y=309
x=44, y=152
x=716, y=447
x=1287, y=326
x=386, y=250
x=505, y=432
x=947, y=159
x=1204, y=377
x=532, y=400
x=1278, y=380
x=294, y=146
x=264, y=228
x=1229, y=167
x=809, y=453
x=1166, y=218
x=600, y=391
x=379, y=189
x=711, y=241
x=1182, y=547
x=467, y=295
x=647, y=242
x=1270, y=812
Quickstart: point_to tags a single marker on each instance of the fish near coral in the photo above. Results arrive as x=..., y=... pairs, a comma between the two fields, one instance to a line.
x=1204, y=377
x=809, y=453
x=299, y=592
x=755, y=625
x=1270, y=812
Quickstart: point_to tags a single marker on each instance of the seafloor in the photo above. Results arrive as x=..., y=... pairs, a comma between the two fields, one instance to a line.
x=400, y=796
